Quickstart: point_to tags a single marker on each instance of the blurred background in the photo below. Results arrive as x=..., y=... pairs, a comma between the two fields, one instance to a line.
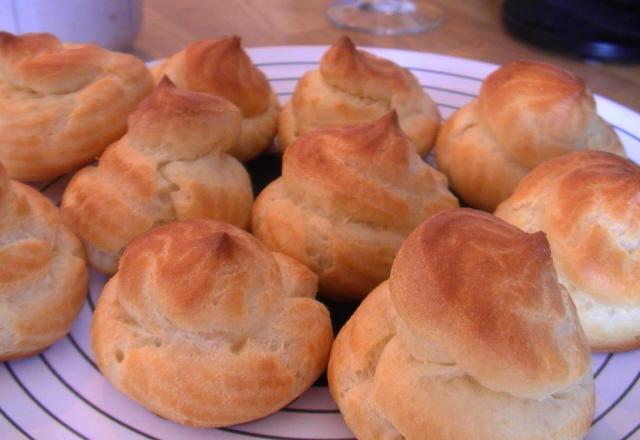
x=472, y=29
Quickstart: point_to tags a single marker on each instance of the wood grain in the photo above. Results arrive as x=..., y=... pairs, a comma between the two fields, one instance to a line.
x=472, y=29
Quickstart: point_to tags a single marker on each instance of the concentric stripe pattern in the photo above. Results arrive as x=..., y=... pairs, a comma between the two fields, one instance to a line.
x=60, y=393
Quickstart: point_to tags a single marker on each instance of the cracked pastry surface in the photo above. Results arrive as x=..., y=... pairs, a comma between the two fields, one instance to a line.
x=221, y=67
x=205, y=326
x=171, y=165
x=346, y=200
x=472, y=337
x=61, y=105
x=527, y=112
x=352, y=86
x=43, y=274
x=588, y=204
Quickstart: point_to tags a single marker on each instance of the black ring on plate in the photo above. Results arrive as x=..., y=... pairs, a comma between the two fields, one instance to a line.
x=49, y=184
x=92, y=306
x=619, y=399
x=15, y=425
x=88, y=402
x=630, y=433
x=75, y=344
x=632, y=136
x=82, y=352
x=603, y=366
x=37, y=402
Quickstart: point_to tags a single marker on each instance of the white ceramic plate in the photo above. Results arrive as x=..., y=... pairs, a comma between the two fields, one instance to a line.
x=60, y=394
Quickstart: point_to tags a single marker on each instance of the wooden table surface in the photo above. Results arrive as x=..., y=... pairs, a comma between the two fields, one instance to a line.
x=471, y=29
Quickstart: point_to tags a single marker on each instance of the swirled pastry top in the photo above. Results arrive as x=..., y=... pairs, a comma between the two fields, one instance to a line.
x=366, y=173
x=527, y=112
x=349, y=195
x=221, y=67
x=43, y=276
x=62, y=104
x=170, y=165
x=204, y=325
x=588, y=204
x=522, y=338
x=352, y=86
x=472, y=337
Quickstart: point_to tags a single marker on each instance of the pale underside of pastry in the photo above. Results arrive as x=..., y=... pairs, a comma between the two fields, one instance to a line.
x=352, y=86
x=61, y=105
x=346, y=200
x=588, y=204
x=205, y=326
x=43, y=275
x=221, y=67
x=527, y=112
x=471, y=338
x=171, y=165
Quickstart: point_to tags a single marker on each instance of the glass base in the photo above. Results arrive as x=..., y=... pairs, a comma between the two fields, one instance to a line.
x=390, y=17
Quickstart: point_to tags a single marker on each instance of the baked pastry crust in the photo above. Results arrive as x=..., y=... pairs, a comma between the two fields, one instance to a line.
x=346, y=200
x=61, y=105
x=203, y=325
x=221, y=67
x=527, y=112
x=588, y=204
x=472, y=337
x=43, y=274
x=171, y=164
x=353, y=86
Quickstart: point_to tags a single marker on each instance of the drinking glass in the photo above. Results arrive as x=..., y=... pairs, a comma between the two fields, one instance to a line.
x=385, y=17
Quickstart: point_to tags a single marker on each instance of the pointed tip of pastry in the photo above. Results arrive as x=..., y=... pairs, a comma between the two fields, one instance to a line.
x=169, y=104
x=344, y=42
x=213, y=49
x=385, y=126
x=221, y=243
x=163, y=91
x=229, y=42
x=342, y=46
x=165, y=83
x=341, y=56
x=388, y=120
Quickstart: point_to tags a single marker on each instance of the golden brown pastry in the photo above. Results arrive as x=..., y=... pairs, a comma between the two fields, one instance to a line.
x=472, y=337
x=527, y=112
x=588, y=204
x=61, y=105
x=43, y=275
x=352, y=86
x=346, y=200
x=171, y=164
x=221, y=67
x=203, y=325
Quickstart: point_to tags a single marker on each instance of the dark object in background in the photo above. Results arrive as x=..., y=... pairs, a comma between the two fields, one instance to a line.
x=594, y=29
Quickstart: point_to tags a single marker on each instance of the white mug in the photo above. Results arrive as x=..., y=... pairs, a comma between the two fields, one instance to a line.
x=113, y=24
